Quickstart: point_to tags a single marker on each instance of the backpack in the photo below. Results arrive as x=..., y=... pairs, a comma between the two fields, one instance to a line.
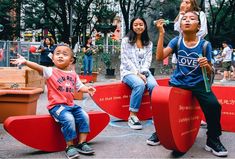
x=209, y=76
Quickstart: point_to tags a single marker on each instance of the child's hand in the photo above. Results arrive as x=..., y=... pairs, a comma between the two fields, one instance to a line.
x=42, y=49
x=142, y=77
x=20, y=60
x=159, y=25
x=91, y=90
x=203, y=61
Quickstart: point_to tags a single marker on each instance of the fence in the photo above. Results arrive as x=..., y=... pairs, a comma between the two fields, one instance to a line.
x=10, y=49
x=111, y=54
x=102, y=58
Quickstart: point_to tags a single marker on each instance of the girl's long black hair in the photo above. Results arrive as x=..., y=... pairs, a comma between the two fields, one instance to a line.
x=133, y=36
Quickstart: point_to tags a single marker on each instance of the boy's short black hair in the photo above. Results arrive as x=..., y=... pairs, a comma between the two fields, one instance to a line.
x=224, y=42
x=65, y=44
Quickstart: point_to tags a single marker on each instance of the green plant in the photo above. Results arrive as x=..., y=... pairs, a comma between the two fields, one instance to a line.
x=106, y=59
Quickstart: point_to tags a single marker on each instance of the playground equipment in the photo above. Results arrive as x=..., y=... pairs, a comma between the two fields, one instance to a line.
x=43, y=133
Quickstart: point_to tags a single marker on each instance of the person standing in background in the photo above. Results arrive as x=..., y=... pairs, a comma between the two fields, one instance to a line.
x=46, y=51
x=88, y=51
x=226, y=63
x=191, y=5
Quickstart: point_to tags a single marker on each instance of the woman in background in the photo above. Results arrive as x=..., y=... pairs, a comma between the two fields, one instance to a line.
x=46, y=51
x=88, y=50
x=191, y=5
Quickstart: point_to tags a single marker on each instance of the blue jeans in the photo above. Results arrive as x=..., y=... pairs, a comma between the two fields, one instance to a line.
x=70, y=119
x=138, y=86
x=87, y=64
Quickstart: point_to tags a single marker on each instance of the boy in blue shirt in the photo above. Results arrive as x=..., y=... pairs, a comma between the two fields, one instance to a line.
x=188, y=74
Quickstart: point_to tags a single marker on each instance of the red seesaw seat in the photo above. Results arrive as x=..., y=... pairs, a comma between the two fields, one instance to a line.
x=114, y=98
x=226, y=97
x=176, y=116
x=43, y=133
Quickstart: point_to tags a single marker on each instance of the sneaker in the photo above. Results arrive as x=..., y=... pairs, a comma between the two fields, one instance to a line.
x=84, y=148
x=223, y=80
x=153, y=140
x=203, y=124
x=71, y=152
x=134, y=123
x=216, y=147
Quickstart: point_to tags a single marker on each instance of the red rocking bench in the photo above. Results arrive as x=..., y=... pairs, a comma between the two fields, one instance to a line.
x=43, y=133
x=177, y=115
x=114, y=99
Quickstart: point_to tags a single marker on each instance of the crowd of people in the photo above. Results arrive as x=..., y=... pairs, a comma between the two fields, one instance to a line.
x=136, y=58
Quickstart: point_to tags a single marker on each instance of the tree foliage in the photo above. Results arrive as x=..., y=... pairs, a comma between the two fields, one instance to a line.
x=58, y=15
x=221, y=21
x=132, y=8
x=6, y=19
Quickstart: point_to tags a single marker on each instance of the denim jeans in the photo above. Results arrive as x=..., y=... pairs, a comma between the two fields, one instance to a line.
x=138, y=86
x=71, y=118
x=87, y=64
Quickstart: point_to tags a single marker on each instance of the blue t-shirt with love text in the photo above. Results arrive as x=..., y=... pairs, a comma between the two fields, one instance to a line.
x=188, y=72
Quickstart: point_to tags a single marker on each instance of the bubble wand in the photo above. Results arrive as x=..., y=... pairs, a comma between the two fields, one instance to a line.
x=205, y=78
x=165, y=21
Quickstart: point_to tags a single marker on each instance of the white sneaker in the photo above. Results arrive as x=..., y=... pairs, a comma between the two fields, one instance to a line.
x=134, y=123
x=223, y=80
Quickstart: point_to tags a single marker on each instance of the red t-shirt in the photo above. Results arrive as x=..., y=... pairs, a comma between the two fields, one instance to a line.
x=61, y=86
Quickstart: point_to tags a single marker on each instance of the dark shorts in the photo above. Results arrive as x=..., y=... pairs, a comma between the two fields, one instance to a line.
x=226, y=66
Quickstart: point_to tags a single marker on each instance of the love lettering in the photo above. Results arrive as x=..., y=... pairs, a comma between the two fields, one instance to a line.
x=187, y=61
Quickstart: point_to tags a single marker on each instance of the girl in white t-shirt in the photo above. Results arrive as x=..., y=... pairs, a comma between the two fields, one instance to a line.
x=191, y=5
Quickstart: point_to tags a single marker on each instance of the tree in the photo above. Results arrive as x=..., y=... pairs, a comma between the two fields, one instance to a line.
x=133, y=8
x=9, y=19
x=58, y=15
x=221, y=21
x=167, y=9
x=84, y=16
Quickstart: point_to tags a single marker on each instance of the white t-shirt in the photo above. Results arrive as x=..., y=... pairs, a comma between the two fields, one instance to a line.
x=228, y=54
x=174, y=59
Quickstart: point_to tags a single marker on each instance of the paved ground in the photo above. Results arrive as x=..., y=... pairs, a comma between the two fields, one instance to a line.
x=116, y=141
